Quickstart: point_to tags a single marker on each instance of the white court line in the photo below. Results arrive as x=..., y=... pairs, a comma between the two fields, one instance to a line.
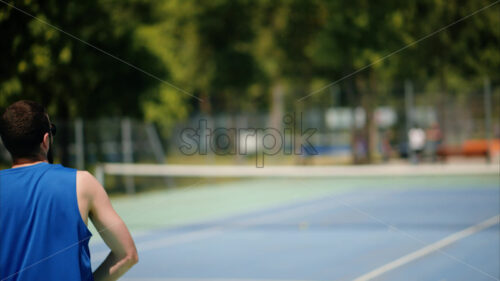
x=205, y=279
x=430, y=248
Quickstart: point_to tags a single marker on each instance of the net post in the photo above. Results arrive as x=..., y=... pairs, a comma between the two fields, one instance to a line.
x=99, y=173
x=127, y=152
x=159, y=153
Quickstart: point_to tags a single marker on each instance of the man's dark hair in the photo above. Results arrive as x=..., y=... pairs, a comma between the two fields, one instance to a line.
x=22, y=127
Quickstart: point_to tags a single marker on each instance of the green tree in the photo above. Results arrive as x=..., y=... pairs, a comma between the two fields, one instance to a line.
x=354, y=35
x=460, y=49
x=206, y=48
x=71, y=78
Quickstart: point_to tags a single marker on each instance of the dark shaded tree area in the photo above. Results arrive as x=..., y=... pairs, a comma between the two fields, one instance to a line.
x=71, y=78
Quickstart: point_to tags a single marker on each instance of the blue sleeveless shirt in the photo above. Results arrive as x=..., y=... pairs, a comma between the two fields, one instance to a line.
x=42, y=234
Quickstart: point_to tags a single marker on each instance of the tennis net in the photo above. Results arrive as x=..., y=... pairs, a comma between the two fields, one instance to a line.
x=104, y=171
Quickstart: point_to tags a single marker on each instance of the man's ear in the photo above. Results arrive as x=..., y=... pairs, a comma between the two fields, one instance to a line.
x=46, y=142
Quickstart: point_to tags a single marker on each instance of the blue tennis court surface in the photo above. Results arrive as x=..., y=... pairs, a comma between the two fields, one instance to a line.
x=333, y=234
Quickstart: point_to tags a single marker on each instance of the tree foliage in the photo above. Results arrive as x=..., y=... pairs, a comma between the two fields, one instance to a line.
x=232, y=53
x=43, y=63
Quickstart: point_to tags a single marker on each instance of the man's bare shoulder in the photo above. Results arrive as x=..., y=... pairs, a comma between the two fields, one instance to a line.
x=87, y=188
x=86, y=183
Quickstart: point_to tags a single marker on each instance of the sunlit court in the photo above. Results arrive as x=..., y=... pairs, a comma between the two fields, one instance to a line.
x=237, y=140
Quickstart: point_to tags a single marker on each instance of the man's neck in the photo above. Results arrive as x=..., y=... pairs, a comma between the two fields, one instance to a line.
x=26, y=162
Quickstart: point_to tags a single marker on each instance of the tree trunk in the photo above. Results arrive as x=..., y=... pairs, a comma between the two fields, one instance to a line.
x=366, y=98
x=352, y=93
x=63, y=132
x=277, y=105
x=370, y=99
x=442, y=102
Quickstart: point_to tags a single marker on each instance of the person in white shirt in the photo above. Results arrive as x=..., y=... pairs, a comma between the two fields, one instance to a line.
x=416, y=145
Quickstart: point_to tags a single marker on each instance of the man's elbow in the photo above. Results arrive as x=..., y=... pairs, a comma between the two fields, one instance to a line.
x=132, y=258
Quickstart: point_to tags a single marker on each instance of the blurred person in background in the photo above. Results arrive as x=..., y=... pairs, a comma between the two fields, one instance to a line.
x=360, y=148
x=416, y=139
x=385, y=145
x=44, y=209
x=434, y=139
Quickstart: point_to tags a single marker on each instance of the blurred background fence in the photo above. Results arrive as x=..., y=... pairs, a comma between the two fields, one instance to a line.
x=473, y=114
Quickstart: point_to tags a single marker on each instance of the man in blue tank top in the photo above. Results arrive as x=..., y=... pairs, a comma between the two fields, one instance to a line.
x=44, y=209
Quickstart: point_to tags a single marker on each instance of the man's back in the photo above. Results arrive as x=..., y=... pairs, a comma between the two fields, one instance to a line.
x=44, y=209
x=41, y=229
